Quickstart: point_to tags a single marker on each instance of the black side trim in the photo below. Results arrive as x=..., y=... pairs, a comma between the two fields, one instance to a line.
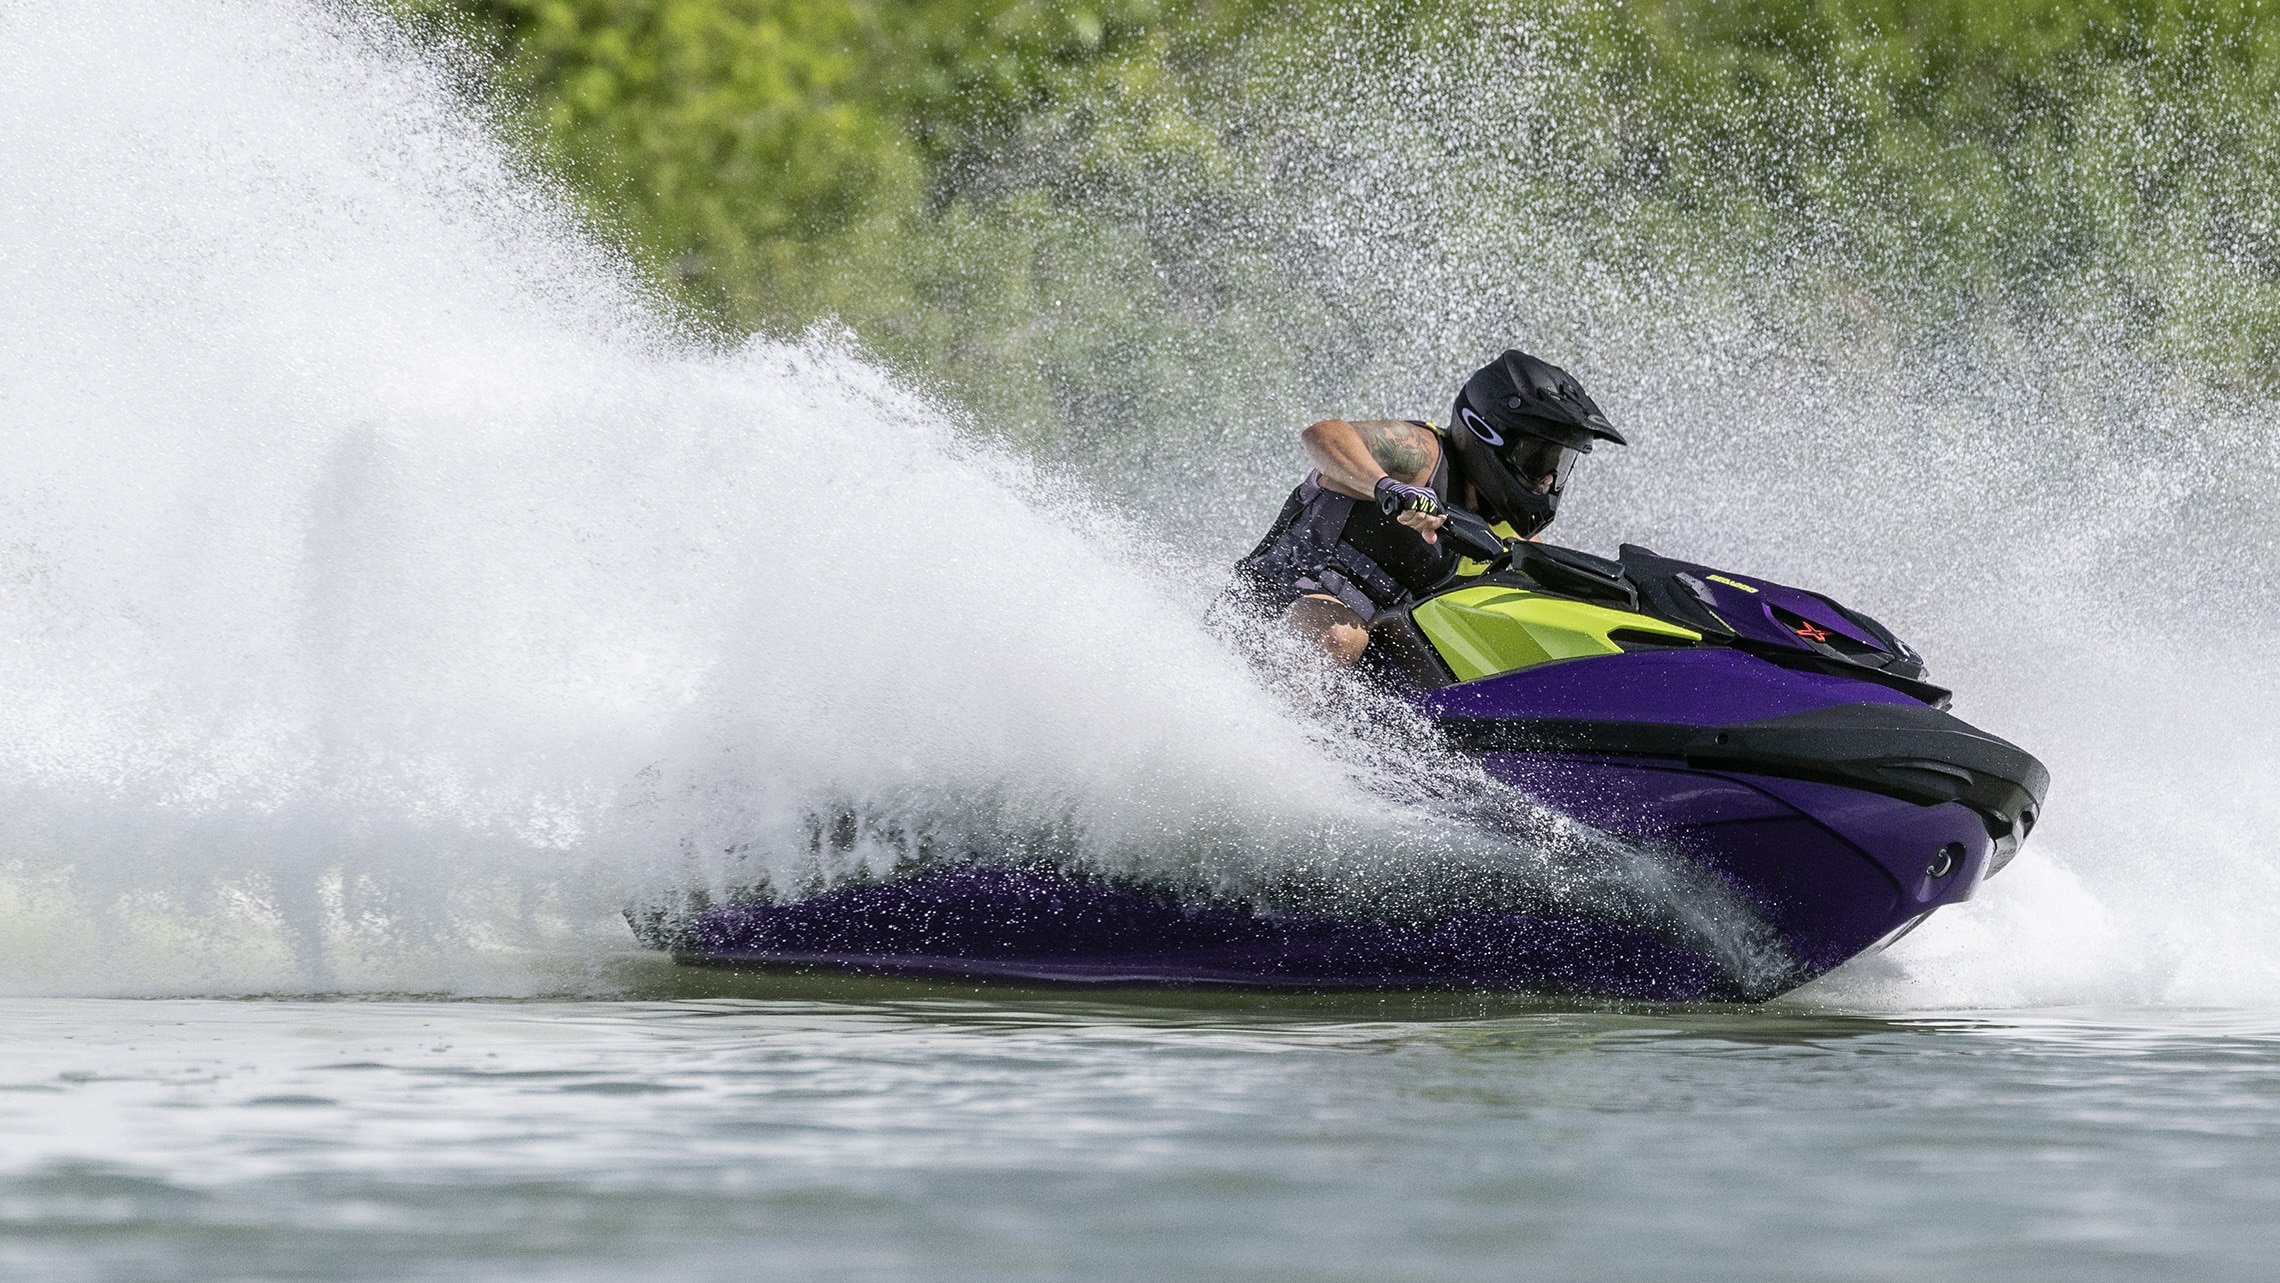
x=1916, y=754
x=1636, y=639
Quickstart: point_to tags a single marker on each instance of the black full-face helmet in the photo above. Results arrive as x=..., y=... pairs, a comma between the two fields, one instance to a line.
x=1519, y=426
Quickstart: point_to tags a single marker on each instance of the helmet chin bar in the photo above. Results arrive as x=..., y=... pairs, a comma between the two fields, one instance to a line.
x=1502, y=497
x=1535, y=512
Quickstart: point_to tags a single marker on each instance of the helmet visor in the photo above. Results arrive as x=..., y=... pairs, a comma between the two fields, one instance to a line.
x=1541, y=466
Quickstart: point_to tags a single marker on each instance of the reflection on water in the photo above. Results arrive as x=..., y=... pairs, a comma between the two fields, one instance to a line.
x=833, y=1127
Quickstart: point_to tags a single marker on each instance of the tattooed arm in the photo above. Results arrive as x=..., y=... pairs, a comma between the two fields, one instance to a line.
x=1352, y=456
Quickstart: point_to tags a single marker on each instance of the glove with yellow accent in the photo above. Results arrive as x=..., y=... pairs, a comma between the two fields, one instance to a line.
x=1397, y=497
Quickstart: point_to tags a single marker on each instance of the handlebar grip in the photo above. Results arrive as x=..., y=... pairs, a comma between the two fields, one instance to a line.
x=1469, y=533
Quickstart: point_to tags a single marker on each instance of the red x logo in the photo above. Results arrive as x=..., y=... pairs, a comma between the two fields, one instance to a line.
x=1810, y=633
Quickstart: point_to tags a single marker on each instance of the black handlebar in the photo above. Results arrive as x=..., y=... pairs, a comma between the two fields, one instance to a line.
x=1467, y=533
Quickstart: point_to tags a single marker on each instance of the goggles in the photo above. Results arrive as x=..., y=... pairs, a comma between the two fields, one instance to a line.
x=1541, y=466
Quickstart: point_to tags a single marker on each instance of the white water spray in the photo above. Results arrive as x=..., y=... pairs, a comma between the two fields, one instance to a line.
x=392, y=596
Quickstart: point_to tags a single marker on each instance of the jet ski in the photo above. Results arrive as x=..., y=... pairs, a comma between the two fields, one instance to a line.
x=1784, y=750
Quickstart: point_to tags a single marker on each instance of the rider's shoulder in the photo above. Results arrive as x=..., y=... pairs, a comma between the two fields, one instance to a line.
x=1360, y=424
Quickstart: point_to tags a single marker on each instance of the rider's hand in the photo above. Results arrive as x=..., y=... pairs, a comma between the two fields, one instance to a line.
x=1413, y=506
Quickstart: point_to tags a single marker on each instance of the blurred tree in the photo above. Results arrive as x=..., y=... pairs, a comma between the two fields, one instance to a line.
x=731, y=141
x=1063, y=209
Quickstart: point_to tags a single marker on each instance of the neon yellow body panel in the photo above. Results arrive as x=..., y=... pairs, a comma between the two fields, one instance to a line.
x=1489, y=630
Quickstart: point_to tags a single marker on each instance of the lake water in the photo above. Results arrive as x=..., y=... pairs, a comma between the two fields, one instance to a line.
x=854, y=1129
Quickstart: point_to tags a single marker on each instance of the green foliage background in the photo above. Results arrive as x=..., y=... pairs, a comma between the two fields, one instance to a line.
x=1064, y=214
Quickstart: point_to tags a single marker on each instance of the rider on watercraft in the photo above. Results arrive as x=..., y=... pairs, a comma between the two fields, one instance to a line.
x=1358, y=534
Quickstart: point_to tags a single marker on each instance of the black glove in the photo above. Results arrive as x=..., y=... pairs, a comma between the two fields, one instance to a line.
x=1397, y=497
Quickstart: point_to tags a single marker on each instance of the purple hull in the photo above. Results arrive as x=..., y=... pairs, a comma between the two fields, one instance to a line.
x=1018, y=924
x=1828, y=870
x=1832, y=870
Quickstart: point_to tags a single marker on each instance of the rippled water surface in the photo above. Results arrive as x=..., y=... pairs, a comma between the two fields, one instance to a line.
x=860, y=1130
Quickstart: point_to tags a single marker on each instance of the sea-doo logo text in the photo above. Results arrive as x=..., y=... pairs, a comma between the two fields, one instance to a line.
x=1732, y=583
x=1480, y=427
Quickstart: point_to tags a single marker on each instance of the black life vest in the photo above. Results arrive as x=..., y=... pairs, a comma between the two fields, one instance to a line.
x=1329, y=543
